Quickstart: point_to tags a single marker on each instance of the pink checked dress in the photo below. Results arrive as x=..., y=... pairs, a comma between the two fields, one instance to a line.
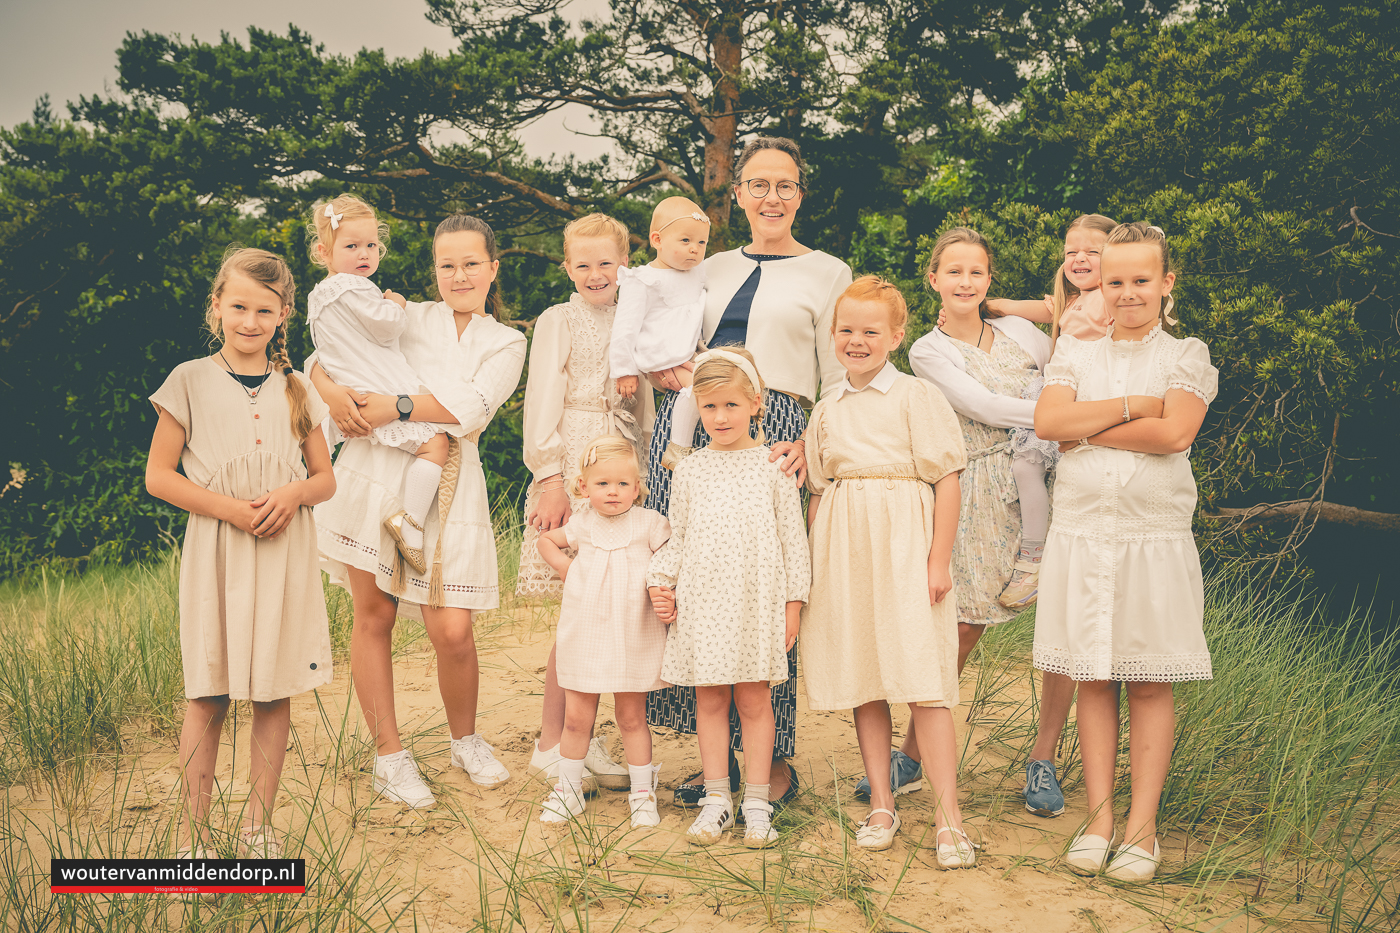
x=609, y=640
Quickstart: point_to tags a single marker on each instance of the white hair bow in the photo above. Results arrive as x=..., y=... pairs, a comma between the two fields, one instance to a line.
x=335, y=218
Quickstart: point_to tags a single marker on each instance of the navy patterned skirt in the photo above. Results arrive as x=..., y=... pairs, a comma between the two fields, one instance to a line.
x=674, y=707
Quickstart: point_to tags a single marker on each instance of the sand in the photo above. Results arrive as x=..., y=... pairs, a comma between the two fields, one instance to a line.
x=480, y=857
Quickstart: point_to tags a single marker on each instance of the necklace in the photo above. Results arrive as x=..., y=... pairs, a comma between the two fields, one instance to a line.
x=980, y=334
x=251, y=393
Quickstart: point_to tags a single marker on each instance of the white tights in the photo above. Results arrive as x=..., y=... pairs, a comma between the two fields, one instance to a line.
x=1028, y=467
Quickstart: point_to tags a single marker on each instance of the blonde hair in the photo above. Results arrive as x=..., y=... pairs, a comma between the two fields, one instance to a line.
x=271, y=271
x=602, y=449
x=599, y=226
x=1142, y=232
x=716, y=373
x=875, y=288
x=320, y=233
x=1065, y=290
x=964, y=235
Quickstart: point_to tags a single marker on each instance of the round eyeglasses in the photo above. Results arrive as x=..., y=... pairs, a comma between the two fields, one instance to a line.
x=470, y=269
x=758, y=188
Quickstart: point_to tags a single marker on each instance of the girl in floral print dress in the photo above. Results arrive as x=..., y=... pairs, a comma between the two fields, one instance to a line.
x=731, y=583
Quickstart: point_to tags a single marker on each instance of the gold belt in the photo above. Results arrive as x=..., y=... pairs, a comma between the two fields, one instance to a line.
x=889, y=477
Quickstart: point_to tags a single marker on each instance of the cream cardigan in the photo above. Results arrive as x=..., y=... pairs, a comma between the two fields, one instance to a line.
x=790, y=322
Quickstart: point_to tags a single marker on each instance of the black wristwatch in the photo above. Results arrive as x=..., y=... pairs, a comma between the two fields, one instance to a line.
x=405, y=407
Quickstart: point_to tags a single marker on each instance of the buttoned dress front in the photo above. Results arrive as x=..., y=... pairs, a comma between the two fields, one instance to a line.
x=1121, y=595
x=252, y=612
x=609, y=638
x=869, y=630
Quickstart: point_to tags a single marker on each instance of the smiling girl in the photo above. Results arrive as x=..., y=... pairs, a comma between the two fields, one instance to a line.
x=571, y=398
x=884, y=451
x=470, y=362
x=252, y=613
x=1122, y=597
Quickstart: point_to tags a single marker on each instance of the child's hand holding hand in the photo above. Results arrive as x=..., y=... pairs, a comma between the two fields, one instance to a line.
x=275, y=510
x=940, y=584
x=395, y=297
x=241, y=514
x=627, y=386
x=794, y=621
x=345, y=404
x=663, y=600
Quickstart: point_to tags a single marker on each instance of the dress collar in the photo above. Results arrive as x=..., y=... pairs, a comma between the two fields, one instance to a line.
x=882, y=382
x=1150, y=336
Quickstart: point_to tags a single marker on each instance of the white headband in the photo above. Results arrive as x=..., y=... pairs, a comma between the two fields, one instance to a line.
x=693, y=215
x=335, y=218
x=744, y=365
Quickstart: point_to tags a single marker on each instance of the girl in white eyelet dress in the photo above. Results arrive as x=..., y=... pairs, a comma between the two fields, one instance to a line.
x=1121, y=598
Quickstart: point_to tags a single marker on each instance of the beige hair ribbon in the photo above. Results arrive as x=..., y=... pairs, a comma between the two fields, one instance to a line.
x=744, y=365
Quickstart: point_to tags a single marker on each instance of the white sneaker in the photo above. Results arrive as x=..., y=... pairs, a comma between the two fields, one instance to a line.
x=716, y=815
x=474, y=756
x=643, y=804
x=544, y=765
x=562, y=805
x=605, y=771
x=758, y=824
x=396, y=777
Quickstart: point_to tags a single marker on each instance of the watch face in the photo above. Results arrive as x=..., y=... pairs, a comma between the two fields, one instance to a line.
x=405, y=405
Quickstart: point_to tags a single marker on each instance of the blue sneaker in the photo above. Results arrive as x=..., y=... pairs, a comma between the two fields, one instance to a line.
x=906, y=776
x=1043, y=795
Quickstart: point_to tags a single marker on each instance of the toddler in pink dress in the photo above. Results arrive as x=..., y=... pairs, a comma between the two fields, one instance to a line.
x=609, y=638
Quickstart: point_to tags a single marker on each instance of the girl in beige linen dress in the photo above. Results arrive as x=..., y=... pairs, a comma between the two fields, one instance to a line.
x=610, y=640
x=884, y=452
x=252, y=613
x=570, y=399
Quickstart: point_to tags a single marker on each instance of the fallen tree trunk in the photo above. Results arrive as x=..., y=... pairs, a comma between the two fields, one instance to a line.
x=1329, y=512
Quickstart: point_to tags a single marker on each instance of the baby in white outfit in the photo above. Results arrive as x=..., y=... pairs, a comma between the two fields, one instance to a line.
x=661, y=308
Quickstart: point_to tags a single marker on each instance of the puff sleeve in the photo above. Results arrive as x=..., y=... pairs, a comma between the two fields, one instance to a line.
x=934, y=434
x=315, y=406
x=1060, y=371
x=632, y=297
x=819, y=477
x=659, y=532
x=1193, y=371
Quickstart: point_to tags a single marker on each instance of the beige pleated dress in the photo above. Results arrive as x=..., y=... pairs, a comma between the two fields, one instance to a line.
x=252, y=612
x=869, y=632
x=571, y=398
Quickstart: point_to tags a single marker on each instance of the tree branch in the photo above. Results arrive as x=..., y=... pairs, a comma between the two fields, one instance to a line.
x=1329, y=512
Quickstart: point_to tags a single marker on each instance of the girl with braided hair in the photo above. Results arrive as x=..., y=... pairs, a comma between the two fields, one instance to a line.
x=252, y=612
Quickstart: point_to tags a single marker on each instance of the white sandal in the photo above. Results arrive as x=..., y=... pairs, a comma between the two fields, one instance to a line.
x=877, y=838
x=1088, y=853
x=961, y=853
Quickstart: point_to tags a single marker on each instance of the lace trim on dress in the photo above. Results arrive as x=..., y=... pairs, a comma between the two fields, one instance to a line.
x=414, y=582
x=1189, y=388
x=1062, y=381
x=328, y=290
x=1150, y=336
x=1156, y=668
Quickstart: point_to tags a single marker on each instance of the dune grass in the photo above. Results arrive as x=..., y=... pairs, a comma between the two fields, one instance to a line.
x=1284, y=781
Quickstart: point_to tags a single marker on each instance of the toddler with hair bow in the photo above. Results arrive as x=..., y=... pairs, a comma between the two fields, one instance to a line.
x=356, y=330
x=660, y=310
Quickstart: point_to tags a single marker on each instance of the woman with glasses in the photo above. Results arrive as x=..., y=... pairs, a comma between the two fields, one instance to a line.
x=775, y=297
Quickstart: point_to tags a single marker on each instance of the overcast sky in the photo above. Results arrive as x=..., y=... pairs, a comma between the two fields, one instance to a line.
x=67, y=48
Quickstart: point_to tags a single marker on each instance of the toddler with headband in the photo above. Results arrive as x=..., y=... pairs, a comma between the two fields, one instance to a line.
x=660, y=310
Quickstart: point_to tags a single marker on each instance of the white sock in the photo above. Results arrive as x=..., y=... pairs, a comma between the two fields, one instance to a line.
x=685, y=415
x=571, y=774
x=419, y=494
x=641, y=777
x=758, y=792
x=718, y=786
